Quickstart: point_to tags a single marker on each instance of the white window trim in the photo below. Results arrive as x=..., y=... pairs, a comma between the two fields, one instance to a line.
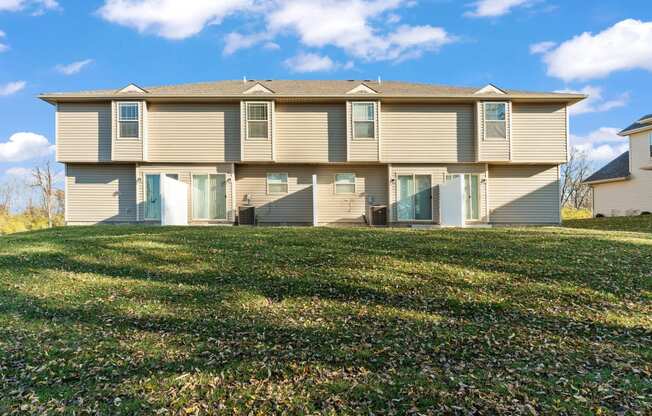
x=649, y=145
x=145, y=175
x=269, y=133
x=138, y=119
x=484, y=121
x=353, y=120
x=355, y=183
x=192, y=199
x=432, y=197
x=287, y=183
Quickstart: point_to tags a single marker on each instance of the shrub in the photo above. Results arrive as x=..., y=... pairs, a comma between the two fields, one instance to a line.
x=568, y=213
x=599, y=216
x=645, y=213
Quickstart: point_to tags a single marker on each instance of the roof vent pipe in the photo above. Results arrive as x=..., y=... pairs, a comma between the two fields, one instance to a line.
x=244, y=80
x=380, y=81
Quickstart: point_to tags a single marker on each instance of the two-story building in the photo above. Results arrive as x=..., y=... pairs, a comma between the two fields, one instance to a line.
x=311, y=152
x=624, y=185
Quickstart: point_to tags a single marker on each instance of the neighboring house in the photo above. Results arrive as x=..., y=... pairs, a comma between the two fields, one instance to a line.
x=624, y=185
x=311, y=152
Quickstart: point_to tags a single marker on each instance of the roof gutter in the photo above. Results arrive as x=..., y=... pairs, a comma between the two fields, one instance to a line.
x=599, y=181
x=626, y=133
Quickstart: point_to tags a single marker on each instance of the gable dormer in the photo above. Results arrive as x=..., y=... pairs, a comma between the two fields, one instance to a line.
x=132, y=88
x=490, y=89
x=258, y=88
x=362, y=89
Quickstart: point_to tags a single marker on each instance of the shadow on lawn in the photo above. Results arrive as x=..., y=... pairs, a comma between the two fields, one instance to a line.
x=294, y=301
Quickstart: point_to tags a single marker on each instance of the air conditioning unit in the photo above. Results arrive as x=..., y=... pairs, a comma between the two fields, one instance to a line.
x=247, y=216
x=378, y=215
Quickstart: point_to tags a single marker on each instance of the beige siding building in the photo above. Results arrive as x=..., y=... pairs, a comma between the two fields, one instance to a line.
x=624, y=185
x=311, y=153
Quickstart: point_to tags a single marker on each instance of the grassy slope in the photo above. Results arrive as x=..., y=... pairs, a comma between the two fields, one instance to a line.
x=125, y=319
x=642, y=223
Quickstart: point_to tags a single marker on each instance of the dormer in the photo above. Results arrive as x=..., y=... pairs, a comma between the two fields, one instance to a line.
x=258, y=88
x=132, y=88
x=362, y=89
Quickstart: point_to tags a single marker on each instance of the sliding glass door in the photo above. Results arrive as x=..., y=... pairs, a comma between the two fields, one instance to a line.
x=471, y=195
x=209, y=197
x=153, y=195
x=414, y=198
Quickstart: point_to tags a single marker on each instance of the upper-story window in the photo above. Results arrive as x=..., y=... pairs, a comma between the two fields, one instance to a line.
x=495, y=120
x=364, y=121
x=257, y=121
x=128, y=120
x=650, y=142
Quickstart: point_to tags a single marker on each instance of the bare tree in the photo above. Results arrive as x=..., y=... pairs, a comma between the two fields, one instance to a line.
x=43, y=180
x=8, y=191
x=574, y=192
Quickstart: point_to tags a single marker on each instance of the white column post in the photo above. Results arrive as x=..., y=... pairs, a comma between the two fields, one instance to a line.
x=315, y=221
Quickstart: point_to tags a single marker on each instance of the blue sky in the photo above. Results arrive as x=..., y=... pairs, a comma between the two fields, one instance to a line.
x=603, y=48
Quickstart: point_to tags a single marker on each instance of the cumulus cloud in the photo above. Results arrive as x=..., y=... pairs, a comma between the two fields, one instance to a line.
x=38, y=6
x=601, y=145
x=311, y=62
x=495, y=8
x=359, y=27
x=595, y=103
x=541, y=47
x=11, y=88
x=74, y=67
x=172, y=19
x=24, y=146
x=3, y=46
x=625, y=46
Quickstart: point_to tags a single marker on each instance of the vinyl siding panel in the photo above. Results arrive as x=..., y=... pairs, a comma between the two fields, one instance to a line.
x=427, y=133
x=362, y=150
x=295, y=207
x=83, y=132
x=100, y=193
x=333, y=208
x=197, y=133
x=632, y=196
x=539, y=133
x=438, y=174
x=127, y=149
x=527, y=194
x=185, y=173
x=493, y=150
x=311, y=133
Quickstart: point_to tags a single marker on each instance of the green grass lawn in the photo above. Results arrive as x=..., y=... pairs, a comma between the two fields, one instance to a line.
x=119, y=320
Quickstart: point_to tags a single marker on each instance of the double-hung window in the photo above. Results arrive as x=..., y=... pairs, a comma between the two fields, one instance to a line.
x=495, y=120
x=128, y=120
x=277, y=183
x=257, y=121
x=364, y=120
x=345, y=183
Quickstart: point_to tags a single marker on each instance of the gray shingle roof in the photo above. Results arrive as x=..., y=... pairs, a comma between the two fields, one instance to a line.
x=310, y=88
x=643, y=122
x=617, y=168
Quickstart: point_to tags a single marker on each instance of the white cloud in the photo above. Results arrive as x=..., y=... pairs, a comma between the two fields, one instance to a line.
x=39, y=6
x=495, y=8
x=311, y=62
x=356, y=26
x=625, y=46
x=172, y=19
x=18, y=172
x=541, y=47
x=595, y=103
x=73, y=68
x=3, y=46
x=600, y=145
x=24, y=146
x=272, y=46
x=11, y=88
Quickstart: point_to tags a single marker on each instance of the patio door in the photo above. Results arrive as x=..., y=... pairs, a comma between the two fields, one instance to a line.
x=471, y=195
x=414, y=202
x=209, y=197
